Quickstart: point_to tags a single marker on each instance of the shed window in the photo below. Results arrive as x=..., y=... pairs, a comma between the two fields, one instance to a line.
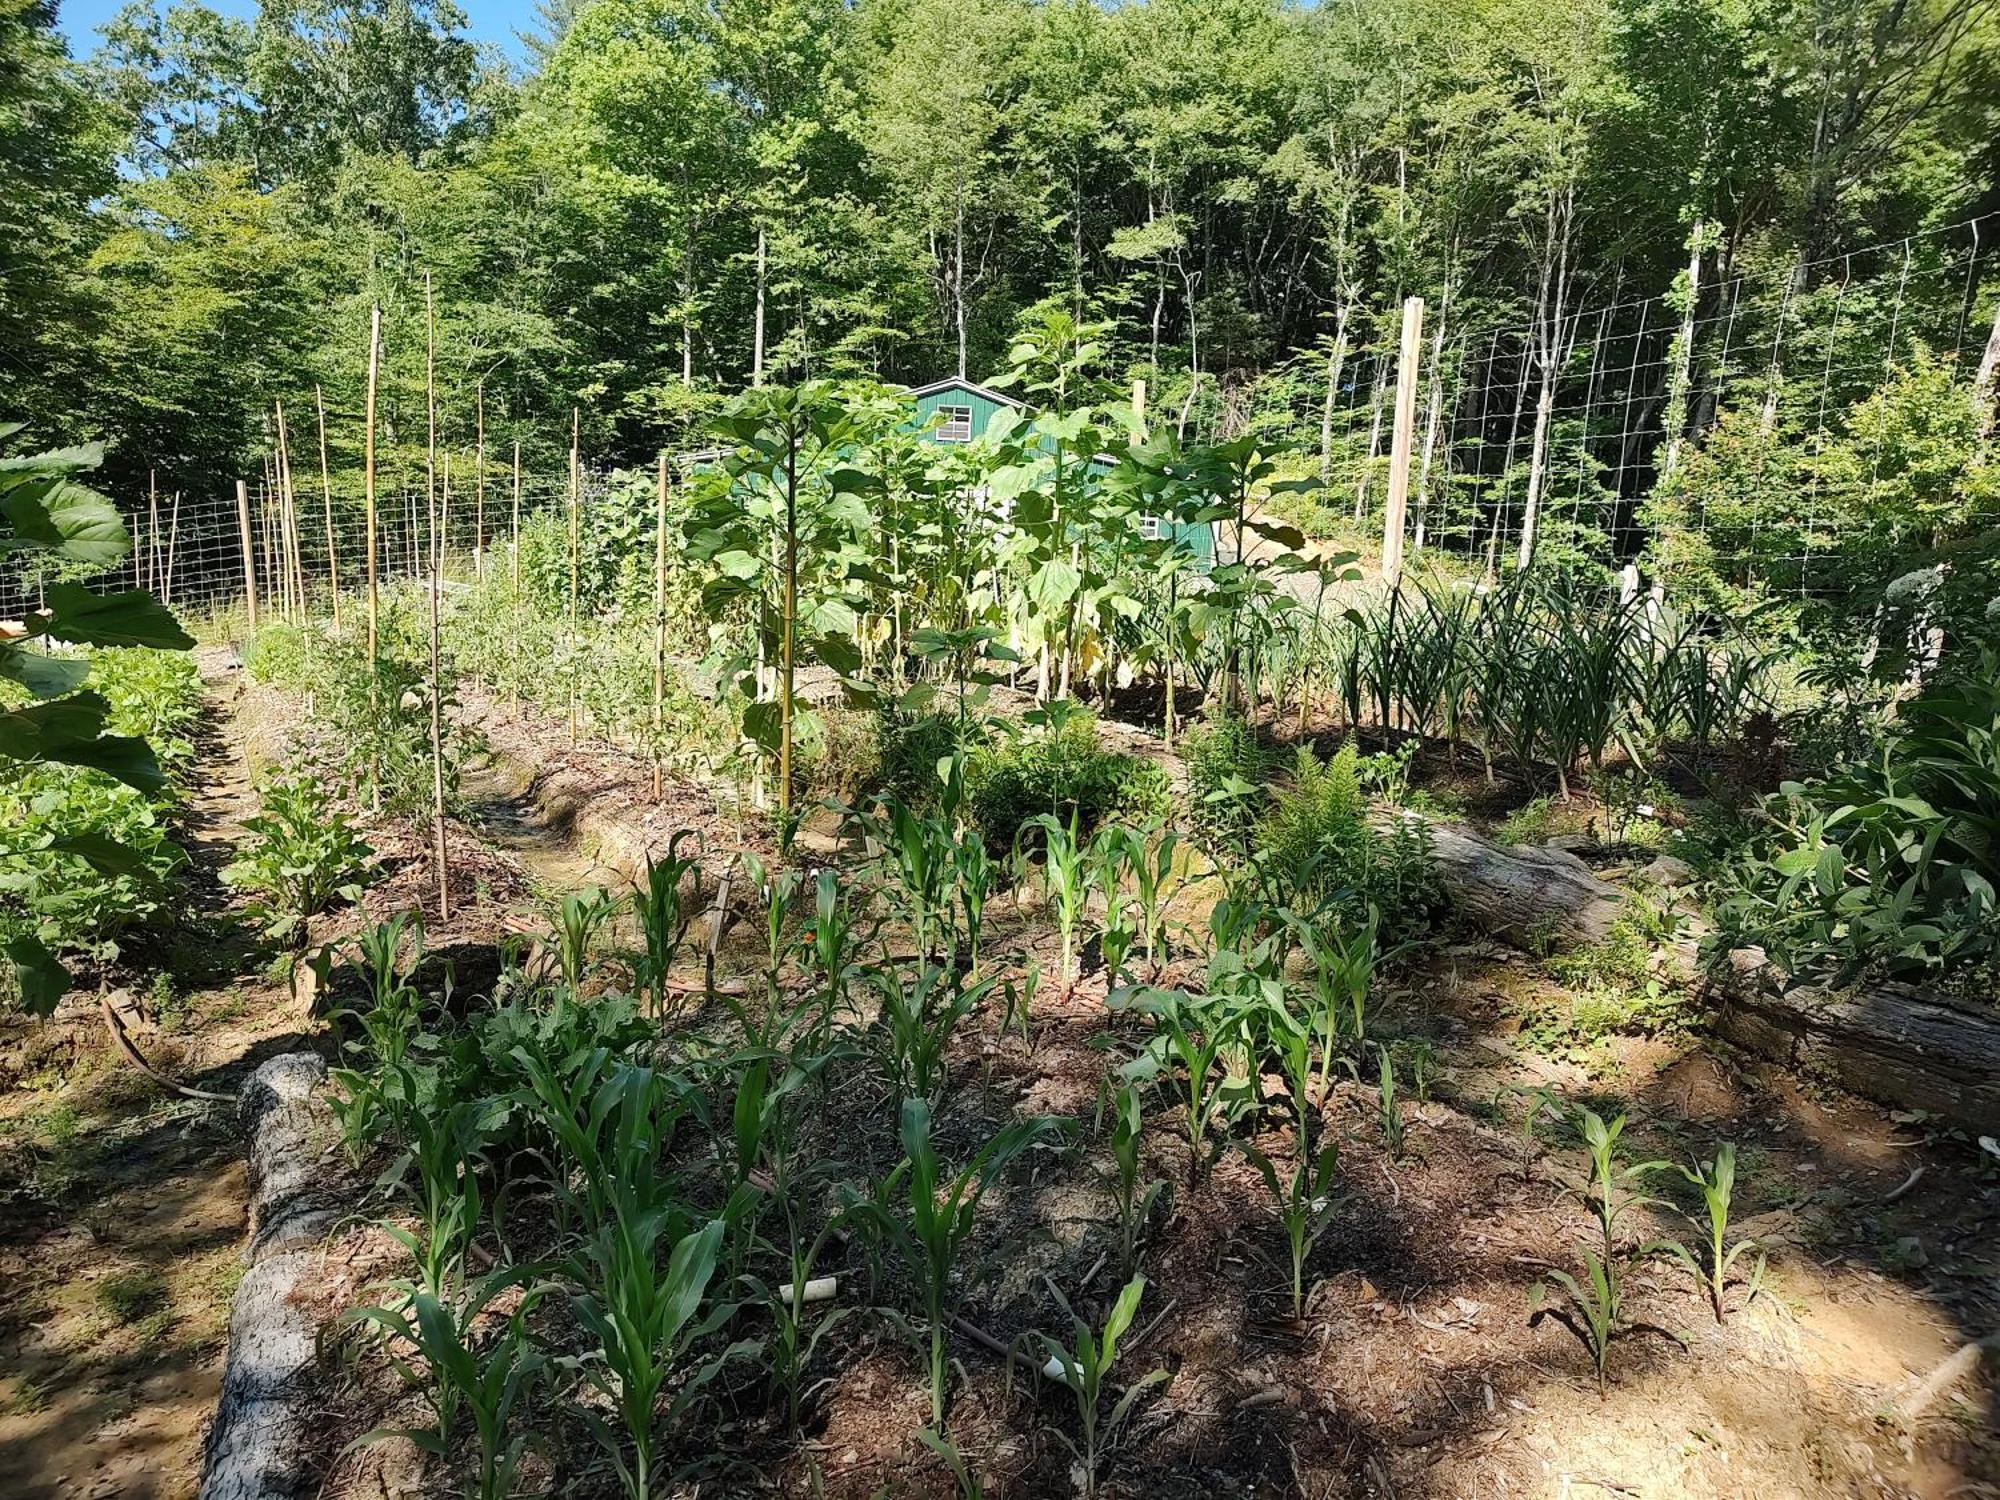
x=1151, y=528
x=957, y=424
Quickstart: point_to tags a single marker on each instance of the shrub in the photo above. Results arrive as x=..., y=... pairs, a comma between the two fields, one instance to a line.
x=1062, y=770
x=1317, y=848
x=301, y=853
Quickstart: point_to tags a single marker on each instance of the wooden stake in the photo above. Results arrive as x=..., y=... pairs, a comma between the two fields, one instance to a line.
x=514, y=554
x=575, y=541
x=368, y=465
x=153, y=530
x=173, y=541
x=288, y=519
x=249, y=559
x=479, y=492
x=1404, y=435
x=659, y=621
x=437, y=704
x=431, y=430
x=326, y=501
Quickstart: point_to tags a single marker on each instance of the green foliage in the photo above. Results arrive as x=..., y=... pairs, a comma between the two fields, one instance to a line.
x=1715, y=1180
x=1226, y=769
x=1318, y=849
x=1134, y=1196
x=1891, y=864
x=302, y=850
x=62, y=751
x=1060, y=770
x=926, y=1214
x=1085, y=1364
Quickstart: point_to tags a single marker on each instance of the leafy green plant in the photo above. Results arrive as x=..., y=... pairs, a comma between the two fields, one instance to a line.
x=1085, y=1364
x=1389, y=1106
x=1305, y=1198
x=577, y=919
x=434, y=1348
x=663, y=916
x=301, y=852
x=1064, y=877
x=1106, y=859
x=1596, y=1306
x=1133, y=1196
x=918, y=1016
x=644, y=1320
x=1715, y=1179
x=1191, y=1037
x=927, y=1213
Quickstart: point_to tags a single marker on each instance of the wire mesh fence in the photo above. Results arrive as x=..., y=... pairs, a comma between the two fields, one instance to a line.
x=1525, y=435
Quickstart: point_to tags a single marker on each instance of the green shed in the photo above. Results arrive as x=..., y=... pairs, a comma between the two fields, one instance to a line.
x=965, y=408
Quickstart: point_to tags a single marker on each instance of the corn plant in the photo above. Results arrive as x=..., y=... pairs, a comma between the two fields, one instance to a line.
x=433, y=1348
x=577, y=919
x=775, y=889
x=1064, y=879
x=1543, y=1104
x=1596, y=1307
x=1343, y=959
x=1716, y=1181
x=1389, y=1108
x=973, y=875
x=1609, y=1195
x=609, y=1122
x=1305, y=1200
x=1133, y=1196
x=796, y=1325
x=1191, y=1037
x=964, y=1479
x=663, y=917
x=927, y=1213
x=918, y=1016
x=642, y=1321
x=921, y=860
x=832, y=946
x=1106, y=859
x=1085, y=1364
x=1018, y=1005
x=1153, y=856
x=438, y=1172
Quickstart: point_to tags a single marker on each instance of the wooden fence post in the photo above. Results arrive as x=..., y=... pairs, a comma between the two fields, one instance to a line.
x=249, y=557
x=1395, y=511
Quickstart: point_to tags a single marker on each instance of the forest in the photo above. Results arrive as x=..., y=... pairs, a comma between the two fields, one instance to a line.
x=1025, y=748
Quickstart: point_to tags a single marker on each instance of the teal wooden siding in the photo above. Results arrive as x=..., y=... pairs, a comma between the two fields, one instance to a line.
x=981, y=408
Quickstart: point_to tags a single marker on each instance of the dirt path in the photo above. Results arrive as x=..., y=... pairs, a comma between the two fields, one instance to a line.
x=121, y=1205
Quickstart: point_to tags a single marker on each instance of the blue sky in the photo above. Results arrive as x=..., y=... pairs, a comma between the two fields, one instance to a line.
x=490, y=20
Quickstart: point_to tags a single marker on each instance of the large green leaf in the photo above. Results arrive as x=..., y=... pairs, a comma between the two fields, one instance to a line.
x=70, y=731
x=54, y=514
x=131, y=617
x=44, y=676
x=38, y=973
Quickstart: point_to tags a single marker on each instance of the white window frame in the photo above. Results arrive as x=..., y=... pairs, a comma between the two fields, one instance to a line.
x=1151, y=528
x=954, y=428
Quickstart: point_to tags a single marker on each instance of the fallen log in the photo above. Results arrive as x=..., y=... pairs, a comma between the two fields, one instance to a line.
x=1533, y=897
x=256, y=1446
x=1896, y=1044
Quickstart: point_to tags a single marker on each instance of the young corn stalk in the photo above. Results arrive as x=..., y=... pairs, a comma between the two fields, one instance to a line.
x=832, y=945
x=1191, y=1038
x=1106, y=860
x=1716, y=1181
x=578, y=919
x=1153, y=856
x=1084, y=1366
x=433, y=1348
x=1305, y=1200
x=1389, y=1108
x=797, y=1325
x=663, y=918
x=918, y=1016
x=1064, y=876
x=1133, y=1196
x=972, y=878
x=642, y=1321
x=927, y=1214
x=776, y=889
x=922, y=860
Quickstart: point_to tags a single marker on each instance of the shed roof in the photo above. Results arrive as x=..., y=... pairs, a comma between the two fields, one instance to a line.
x=970, y=387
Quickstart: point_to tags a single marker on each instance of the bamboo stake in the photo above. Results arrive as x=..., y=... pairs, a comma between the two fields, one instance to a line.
x=431, y=430
x=249, y=561
x=437, y=706
x=514, y=590
x=288, y=519
x=659, y=621
x=479, y=492
x=326, y=500
x=1404, y=436
x=273, y=583
x=575, y=539
x=173, y=542
x=368, y=470
x=153, y=530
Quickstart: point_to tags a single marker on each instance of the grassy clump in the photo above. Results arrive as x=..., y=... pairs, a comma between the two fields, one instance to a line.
x=1064, y=771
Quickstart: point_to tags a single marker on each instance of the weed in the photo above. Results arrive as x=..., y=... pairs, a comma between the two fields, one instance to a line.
x=301, y=852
